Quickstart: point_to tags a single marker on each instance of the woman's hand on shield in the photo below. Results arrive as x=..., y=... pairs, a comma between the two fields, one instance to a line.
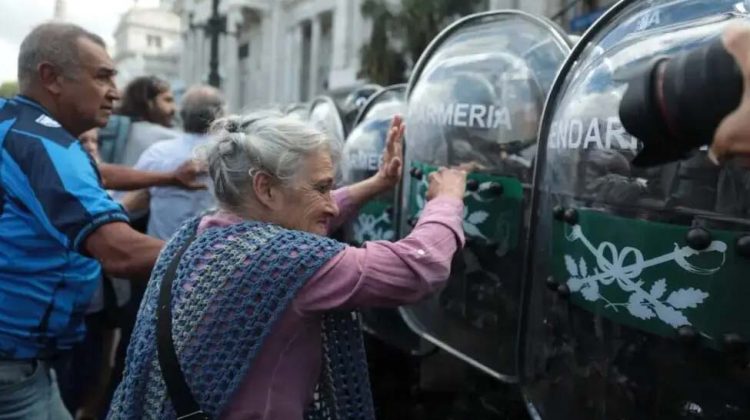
x=447, y=182
x=391, y=167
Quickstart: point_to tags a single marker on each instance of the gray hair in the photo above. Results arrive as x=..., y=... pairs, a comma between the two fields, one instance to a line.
x=263, y=141
x=201, y=105
x=54, y=43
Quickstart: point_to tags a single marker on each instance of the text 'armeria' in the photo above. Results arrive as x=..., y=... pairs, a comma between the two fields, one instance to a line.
x=462, y=114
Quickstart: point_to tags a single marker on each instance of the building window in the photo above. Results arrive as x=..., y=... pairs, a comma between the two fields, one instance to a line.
x=153, y=41
x=244, y=51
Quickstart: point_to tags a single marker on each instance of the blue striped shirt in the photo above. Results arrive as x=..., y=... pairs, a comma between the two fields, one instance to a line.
x=51, y=199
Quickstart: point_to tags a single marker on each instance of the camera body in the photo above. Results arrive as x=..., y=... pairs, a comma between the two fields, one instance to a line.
x=674, y=104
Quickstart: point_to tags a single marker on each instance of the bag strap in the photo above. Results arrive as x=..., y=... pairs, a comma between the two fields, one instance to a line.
x=182, y=398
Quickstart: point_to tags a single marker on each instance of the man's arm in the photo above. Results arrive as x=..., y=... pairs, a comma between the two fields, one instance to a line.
x=122, y=251
x=123, y=178
x=136, y=201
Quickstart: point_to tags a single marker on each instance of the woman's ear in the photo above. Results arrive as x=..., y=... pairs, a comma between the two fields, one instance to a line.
x=266, y=190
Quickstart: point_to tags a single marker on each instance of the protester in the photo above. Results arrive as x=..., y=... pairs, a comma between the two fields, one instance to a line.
x=170, y=207
x=122, y=178
x=263, y=257
x=58, y=223
x=148, y=101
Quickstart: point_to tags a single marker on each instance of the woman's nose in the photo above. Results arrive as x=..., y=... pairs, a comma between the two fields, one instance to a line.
x=333, y=208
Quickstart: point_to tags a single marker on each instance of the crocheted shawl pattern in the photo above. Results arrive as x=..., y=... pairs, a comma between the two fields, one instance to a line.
x=232, y=284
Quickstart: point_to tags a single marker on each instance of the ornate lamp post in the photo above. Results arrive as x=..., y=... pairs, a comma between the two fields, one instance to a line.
x=214, y=27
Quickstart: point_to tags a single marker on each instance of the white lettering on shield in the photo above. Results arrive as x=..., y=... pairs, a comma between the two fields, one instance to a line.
x=594, y=133
x=463, y=115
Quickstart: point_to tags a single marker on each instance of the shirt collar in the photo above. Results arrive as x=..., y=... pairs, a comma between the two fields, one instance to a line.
x=32, y=103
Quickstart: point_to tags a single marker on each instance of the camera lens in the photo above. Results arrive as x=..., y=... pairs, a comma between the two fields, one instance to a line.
x=674, y=105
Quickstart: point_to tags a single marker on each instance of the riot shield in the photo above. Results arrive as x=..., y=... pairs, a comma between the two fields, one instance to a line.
x=352, y=105
x=476, y=97
x=634, y=298
x=376, y=219
x=325, y=114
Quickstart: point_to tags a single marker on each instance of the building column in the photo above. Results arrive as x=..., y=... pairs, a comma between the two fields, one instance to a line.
x=286, y=67
x=229, y=62
x=295, y=70
x=314, y=53
x=184, y=57
x=273, y=41
x=342, y=39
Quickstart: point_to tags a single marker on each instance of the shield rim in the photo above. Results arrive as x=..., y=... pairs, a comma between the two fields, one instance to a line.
x=558, y=32
x=564, y=41
x=340, y=118
x=296, y=106
x=372, y=100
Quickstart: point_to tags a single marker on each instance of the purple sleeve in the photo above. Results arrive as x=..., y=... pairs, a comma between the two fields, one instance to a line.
x=383, y=273
x=347, y=208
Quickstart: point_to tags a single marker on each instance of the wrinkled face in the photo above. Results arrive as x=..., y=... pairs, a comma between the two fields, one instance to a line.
x=87, y=97
x=90, y=142
x=307, y=204
x=162, y=108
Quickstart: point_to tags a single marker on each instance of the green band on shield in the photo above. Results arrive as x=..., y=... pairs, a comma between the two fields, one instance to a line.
x=645, y=275
x=493, y=208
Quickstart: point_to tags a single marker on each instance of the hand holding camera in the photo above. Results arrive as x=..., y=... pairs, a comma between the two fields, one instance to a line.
x=732, y=137
x=693, y=99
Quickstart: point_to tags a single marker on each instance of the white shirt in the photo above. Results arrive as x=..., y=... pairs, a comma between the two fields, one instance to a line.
x=170, y=207
x=142, y=135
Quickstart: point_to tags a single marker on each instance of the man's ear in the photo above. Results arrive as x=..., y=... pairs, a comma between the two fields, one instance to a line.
x=50, y=76
x=266, y=190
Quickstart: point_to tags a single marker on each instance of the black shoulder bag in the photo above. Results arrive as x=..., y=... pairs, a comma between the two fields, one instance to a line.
x=182, y=398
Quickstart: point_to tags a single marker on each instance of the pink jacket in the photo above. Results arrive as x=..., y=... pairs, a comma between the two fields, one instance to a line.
x=280, y=384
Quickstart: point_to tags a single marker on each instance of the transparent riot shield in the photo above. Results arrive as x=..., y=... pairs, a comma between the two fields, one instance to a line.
x=325, y=114
x=376, y=219
x=635, y=299
x=476, y=97
x=351, y=106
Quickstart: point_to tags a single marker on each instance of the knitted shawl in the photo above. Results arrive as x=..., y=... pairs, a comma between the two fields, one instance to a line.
x=232, y=285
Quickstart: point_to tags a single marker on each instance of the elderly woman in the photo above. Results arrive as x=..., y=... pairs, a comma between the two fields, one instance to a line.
x=258, y=288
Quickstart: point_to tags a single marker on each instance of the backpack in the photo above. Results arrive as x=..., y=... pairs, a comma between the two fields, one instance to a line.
x=113, y=138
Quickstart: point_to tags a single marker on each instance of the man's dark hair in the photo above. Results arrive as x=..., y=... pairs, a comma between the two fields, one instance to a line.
x=138, y=93
x=201, y=105
x=54, y=43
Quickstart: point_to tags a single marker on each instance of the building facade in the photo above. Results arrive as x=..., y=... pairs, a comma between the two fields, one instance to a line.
x=147, y=42
x=284, y=51
x=275, y=51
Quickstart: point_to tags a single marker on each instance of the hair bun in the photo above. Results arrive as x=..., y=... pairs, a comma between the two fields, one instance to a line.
x=232, y=126
x=227, y=146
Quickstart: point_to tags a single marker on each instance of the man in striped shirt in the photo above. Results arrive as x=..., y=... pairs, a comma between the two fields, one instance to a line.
x=58, y=226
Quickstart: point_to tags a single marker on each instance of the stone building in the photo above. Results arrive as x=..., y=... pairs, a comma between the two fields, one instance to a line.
x=283, y=51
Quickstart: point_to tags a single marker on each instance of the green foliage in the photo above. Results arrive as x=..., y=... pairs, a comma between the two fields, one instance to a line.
x=8, y=89
x=419, y=21
x=414, y=25
x=380, y=62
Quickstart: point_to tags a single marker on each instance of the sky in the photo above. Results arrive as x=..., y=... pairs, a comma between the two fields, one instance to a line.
x=20, y=16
